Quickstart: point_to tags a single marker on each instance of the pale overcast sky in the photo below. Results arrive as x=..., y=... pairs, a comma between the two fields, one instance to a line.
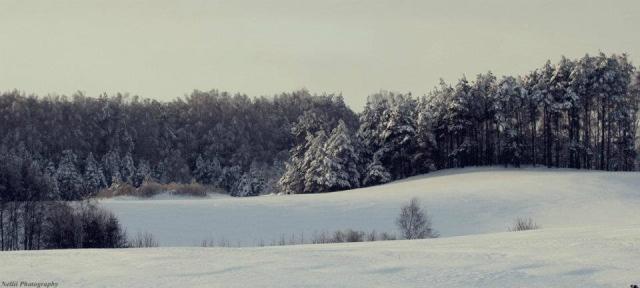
x=165, y=49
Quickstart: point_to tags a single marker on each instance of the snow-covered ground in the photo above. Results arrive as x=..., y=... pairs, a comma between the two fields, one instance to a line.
x=572, y=257
x=461, y=202
x=590, y=237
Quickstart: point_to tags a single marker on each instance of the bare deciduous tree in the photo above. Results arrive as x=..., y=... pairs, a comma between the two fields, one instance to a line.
x=414, y=222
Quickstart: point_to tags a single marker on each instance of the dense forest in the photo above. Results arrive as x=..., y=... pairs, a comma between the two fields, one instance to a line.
x=578, y=113
x=573, y=114
x=86, y=144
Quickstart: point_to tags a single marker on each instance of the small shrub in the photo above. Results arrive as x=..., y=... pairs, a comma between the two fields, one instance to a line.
x=384, y=236
x=353, y=236
x=342, y=236
x=143, y=240
x=320, y=238
x=117, y=189
x=523, y=224
x=372, y=236
x=105, y=193
x=338, y=237
x=149, y=189
x=191, y=189
x=208, y=242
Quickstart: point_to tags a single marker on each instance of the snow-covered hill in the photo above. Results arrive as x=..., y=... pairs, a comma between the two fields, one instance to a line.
x=573, y=257
x=590, y=237
x=461, y=202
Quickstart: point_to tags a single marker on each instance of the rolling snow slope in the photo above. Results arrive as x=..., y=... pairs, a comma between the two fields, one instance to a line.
x=590, y=237
x=570, y=257
x=461, y=202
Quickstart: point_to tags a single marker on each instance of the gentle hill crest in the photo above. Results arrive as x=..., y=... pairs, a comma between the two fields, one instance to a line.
x=461, y=201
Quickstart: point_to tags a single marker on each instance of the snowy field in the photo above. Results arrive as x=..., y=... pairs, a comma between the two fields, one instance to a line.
x=460, y=201
x=590, y=237
x=574, y=257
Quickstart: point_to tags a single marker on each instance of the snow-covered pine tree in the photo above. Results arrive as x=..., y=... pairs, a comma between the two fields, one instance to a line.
x=460, y=120
x=69, y=178
x=582, y=85
x=207, y=171
x=230, y=176
x=93, y=176
x=273, y=175
x=376, y=173
x=562, y=100
x=372, y=121
x=143, y=173
x=201, y=172
x=510, y=96
x=304, y=131
x=341, y=160
x=252, y=182
x=127, y=169
x=111, y=165
x=50, y=174
x=176, y=168
x=426, y=147
x=533, y=99
x=399, y=135
x=292, y=180
x=622, y=116
x=314, y=165
x=50, y=169
x=544, y=87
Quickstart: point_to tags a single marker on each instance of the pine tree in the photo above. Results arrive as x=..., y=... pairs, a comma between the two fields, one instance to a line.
x=69, y=178
x=207, y=171
x=581, y=83
x=230, y=177
x=176, y=168
x=510, y=97
x=460, y=117
x=127, y=169
x=399, y=135
x=93, y=176
x=314, y=164
x=251, y=183
x=111, y=163
x=50, y=177
x=143, y=173
x=292, y=180
x=426, y=148
x=341, y=160
x=376, y=173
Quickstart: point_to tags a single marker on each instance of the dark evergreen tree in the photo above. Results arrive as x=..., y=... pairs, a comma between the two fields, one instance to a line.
x=93, y=177
x=69, y=178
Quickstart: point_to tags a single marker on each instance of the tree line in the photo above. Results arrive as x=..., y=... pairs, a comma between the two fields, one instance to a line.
x=214, y=138
x=577, y=113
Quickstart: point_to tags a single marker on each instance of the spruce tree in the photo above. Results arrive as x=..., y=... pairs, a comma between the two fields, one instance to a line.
x=341, y=160
x=127, y=169
x=69, y=178
x=93, y=176
x=314, y=165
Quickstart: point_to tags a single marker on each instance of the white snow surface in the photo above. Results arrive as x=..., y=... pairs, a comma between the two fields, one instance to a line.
x=571, y=257
x=590, y=237
x=460, y=201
